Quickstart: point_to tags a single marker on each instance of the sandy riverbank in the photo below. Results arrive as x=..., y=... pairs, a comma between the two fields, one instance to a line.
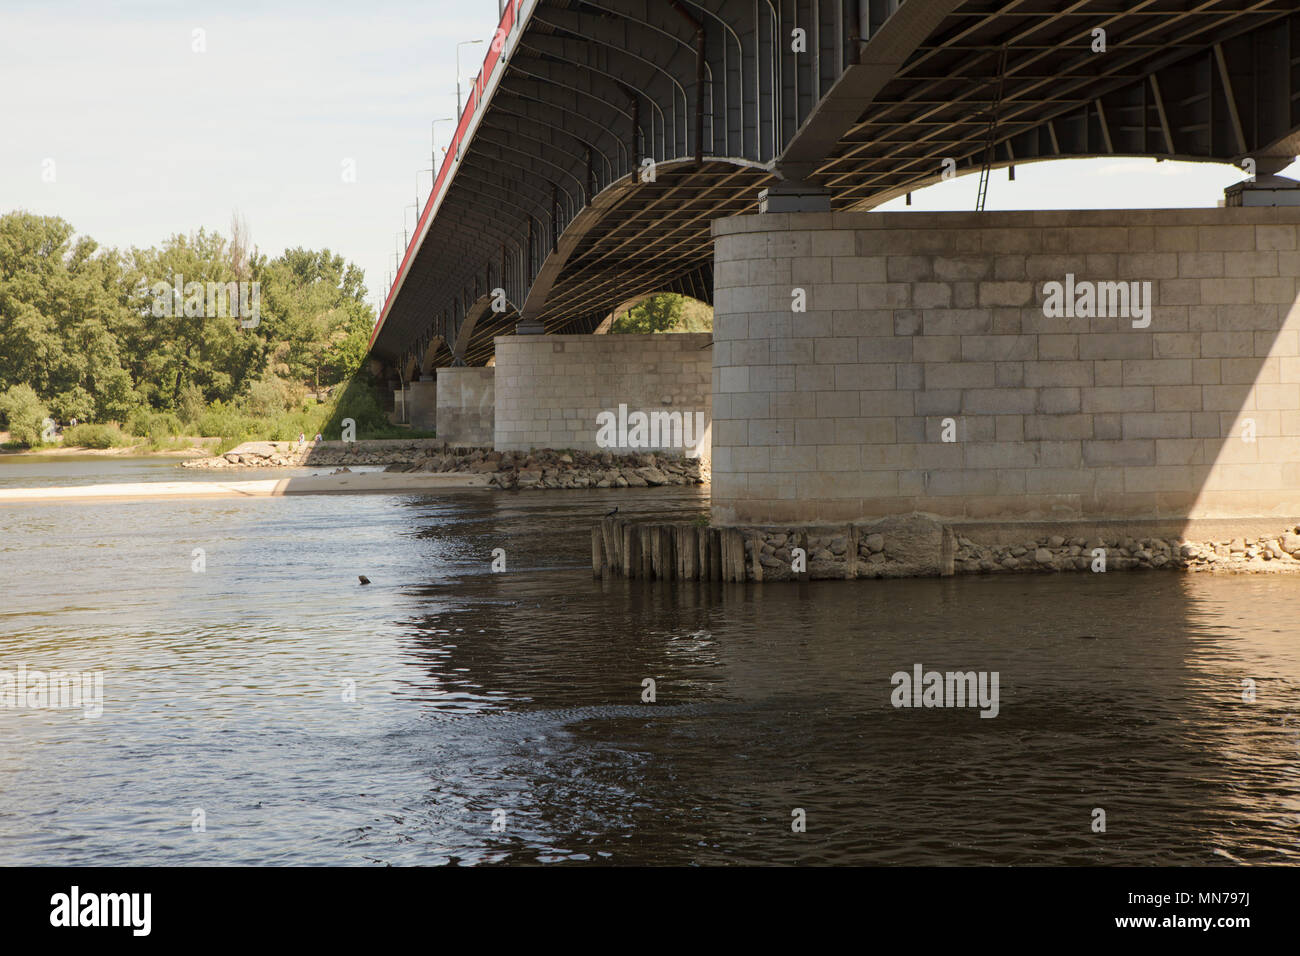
x=199, y=448
x=352, y=483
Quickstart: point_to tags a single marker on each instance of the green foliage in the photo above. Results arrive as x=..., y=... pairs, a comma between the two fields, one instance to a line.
x=190, y=403
x=696, y=317
x=664, y=312
x=23, y=412
x=227, y=422
x=95, y=436
x=97, y=335
x=63, y=313
x=75, y=402
x=658, y=313
x=155, y=426
x=357, y=400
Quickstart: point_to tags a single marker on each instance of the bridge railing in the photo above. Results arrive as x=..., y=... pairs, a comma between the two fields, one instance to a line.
x=511, y=17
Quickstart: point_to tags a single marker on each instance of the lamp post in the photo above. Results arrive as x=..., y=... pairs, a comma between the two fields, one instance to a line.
x=462, y=43
x=416, y=207
x=433, y=135
x=432, y=180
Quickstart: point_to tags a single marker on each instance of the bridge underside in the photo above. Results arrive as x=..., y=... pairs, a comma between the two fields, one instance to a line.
x=1189, y=81
x=549, y=202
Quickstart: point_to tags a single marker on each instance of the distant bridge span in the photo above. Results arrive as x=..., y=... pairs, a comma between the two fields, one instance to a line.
x=545, y=192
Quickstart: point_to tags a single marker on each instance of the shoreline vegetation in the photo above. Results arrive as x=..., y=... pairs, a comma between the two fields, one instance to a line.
x=104, y=349
x=202, y=446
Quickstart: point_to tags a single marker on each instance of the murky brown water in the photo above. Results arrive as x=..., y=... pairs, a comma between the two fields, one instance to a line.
x=522, y=692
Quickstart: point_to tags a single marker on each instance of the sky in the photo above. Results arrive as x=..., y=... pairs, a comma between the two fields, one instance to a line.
x=124, y=121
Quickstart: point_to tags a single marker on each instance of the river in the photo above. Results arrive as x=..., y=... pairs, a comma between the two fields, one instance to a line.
x=261, y=706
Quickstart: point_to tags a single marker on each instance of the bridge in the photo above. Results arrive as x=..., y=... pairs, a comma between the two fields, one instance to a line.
x=615, y=148
x=546, y=190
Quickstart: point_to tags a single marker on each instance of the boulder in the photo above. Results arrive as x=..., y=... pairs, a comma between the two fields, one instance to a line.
x=915, y=545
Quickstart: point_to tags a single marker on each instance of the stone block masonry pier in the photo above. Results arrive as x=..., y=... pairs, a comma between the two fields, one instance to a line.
x=466, y=405
x=924, y=374
x=551, y=388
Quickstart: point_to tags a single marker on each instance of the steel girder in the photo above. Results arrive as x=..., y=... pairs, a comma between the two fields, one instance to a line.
x=1210, y=80
x=549, y=199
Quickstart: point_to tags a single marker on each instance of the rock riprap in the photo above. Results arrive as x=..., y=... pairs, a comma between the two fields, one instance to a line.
x=522, y=470
x=920, y=546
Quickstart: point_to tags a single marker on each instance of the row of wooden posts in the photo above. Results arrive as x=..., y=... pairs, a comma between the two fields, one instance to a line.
x=679, y=551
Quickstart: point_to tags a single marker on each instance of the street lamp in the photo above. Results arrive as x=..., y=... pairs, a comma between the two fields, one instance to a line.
x=462, y=43
x=416, y=207
x=433, y=133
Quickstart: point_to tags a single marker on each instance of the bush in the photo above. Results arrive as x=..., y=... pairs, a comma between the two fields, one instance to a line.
x=96, y=436
x=227, y=422
x=155, y=426
x=266, y=398
x=190, y=405
x=21, y=409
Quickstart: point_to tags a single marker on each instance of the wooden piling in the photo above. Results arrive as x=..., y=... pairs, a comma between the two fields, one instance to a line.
x=805, y=574
x=851, y=552
x=688, y=554
x=645, y=551
x=733, y=555
x=597, y=553
x=608, y=536
x=631, y=557
x=755, y=553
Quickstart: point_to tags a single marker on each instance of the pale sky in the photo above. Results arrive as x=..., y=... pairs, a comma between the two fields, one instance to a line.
x=148, y=137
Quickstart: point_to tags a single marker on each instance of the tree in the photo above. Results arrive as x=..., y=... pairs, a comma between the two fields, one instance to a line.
x=98, y=334
x=62, y=311
x=658, y=313
x=22, y=411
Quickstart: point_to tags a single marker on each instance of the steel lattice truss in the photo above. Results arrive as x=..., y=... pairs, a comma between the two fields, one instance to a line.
x=551, y=199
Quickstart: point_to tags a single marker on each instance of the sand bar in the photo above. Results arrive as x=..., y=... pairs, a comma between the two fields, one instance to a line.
x=346, y=484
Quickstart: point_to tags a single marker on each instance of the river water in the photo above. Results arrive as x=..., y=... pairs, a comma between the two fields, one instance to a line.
x=267, y=708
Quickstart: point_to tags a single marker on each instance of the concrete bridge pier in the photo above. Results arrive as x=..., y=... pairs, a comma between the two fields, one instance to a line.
x=551, y=391
x=466, y=405
x=421, y=403
x=1006, y=367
